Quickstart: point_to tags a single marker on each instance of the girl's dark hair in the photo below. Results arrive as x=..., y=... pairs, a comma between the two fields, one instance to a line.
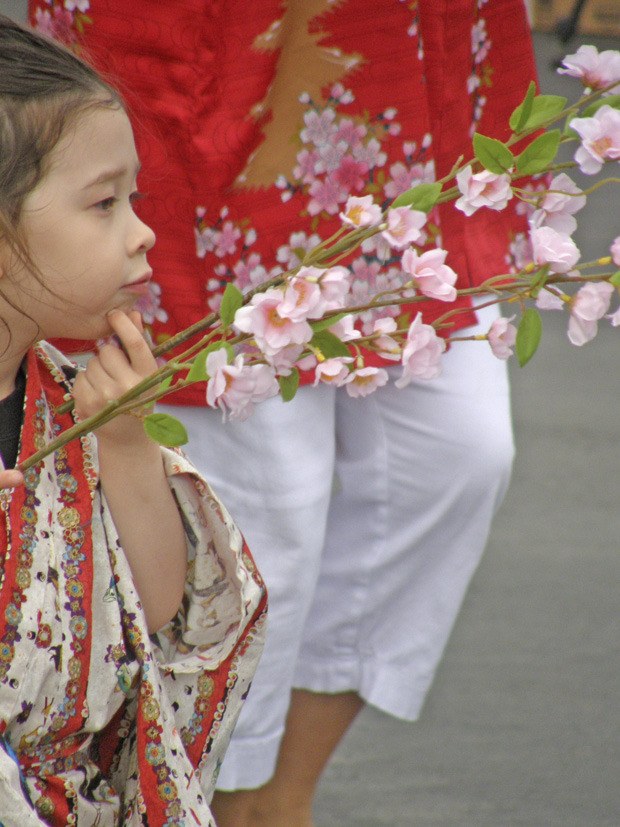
x=43, y=86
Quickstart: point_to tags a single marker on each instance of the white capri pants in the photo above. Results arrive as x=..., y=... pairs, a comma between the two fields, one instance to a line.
x=367, y=518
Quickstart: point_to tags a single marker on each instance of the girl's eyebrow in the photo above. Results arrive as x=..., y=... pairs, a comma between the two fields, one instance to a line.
x=110, y=175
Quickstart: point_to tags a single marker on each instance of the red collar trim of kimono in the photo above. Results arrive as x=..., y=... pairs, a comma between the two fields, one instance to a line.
x=32, y=514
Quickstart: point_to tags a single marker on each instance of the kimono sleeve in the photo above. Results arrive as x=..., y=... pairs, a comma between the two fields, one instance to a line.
x=208, y=653
x=224, y=593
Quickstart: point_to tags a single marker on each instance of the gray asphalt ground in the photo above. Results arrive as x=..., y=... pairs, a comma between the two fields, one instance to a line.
x=521, y=728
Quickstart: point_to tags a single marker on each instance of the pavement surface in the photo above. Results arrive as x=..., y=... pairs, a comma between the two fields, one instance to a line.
x=522, y=725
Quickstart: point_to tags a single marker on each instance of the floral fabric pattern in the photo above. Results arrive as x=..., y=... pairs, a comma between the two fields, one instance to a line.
x=107, y=724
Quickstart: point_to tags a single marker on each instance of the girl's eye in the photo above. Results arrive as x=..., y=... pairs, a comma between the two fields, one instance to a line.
x=136, y=196
x=107, y=203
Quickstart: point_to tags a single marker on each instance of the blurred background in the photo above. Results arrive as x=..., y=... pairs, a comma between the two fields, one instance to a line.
x=522, y=726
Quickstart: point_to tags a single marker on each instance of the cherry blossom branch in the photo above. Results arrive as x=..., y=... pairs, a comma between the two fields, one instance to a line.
x=302, y=319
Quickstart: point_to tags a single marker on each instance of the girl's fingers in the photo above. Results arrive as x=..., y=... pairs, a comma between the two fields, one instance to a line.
x=136, y=318
x=111, y=367
x=114, y=369
x=129, y=329
x=11, y=478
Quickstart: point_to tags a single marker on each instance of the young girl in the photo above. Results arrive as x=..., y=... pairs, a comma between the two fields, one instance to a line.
x=130, y=610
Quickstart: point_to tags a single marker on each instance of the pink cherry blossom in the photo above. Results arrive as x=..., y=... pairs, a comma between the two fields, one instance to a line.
x=249, y=272
x=600, y=139
x=149, y=306
x=597, y=70
x=350, y=132
x=366, y=272
x=370, y=154
x=482, y=189
x=314, y=291
x=332, y=155
x=403, y=178
x=520, y=249
x=335, y=284
x=205, y=240
x=361, y=212
x=319, y=127
x=226, y=239
x=364, y=381
x=351, y=174
x=558, y=250
x=302, y=300
x=308, y=166
x=298, y=243
x=307, y=362
x=615, y=251
x=430, y=274
x=236, y=388
x=272, y=331
x=588, y=305
x=284, y=360
x=378, y=246
x=404, y=227
x=338, y=92
x=326, y=195
x=558, y=205
x=421, y=357
x=332, y=371
x=502, y=337
x=548, y=300
x=386, y=345
x=345, y=330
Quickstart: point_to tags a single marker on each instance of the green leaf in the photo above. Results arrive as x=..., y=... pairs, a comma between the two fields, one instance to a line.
x=163, y=386
x=544, y=108
x=528, y=335
x=321, y=324
x=329, y=345
x=198, y=370
x=539, y=154
x=615, y=279
x=423, y=197
x=492, y=154
x=165, y=429
x=231, y=302
x=610, y=100
x=519, y=117
x=288, y=385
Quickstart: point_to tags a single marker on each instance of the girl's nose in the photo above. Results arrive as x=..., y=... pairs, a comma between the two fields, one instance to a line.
x=143, y=237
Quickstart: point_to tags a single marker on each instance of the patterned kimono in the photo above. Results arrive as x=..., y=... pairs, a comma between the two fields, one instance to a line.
x=101, y=724
x=256, y=121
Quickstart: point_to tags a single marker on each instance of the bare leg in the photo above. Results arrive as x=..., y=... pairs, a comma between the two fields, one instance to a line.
x=315, y=726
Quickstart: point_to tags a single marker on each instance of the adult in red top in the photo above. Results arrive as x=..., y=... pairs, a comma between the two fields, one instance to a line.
x=255, y=122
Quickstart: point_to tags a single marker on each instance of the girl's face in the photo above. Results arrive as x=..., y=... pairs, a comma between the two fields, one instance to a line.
x=83, y=235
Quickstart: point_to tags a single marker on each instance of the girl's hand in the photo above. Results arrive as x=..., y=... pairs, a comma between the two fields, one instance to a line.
x=11, y=478
x=132, y=474
x=112, y=372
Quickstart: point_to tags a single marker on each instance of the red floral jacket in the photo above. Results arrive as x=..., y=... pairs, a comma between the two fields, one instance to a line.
x=256, y=121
